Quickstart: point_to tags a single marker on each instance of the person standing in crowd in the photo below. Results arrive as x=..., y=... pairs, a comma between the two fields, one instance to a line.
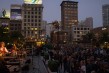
x=3, y=49
x=14, y=50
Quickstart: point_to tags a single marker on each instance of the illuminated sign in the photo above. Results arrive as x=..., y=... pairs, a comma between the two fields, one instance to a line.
x=16, y=14
x=33, y=1
x=4, y=24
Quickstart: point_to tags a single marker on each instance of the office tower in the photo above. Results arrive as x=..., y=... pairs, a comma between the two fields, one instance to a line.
x=105, y=14
x=69, y=14
x=32, y=19
x=69, y=17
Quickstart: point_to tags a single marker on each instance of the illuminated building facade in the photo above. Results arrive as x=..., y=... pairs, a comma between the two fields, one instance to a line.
x=69, y=17
x=32, y=20
x=69, y=14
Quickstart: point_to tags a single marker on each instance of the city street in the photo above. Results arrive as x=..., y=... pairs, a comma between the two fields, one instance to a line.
x=37, y=66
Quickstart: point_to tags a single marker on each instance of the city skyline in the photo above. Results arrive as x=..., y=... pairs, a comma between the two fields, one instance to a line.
x=52, y=9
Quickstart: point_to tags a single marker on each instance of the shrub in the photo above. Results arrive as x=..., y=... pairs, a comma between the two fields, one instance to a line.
x=46, y=56
x=53, y=65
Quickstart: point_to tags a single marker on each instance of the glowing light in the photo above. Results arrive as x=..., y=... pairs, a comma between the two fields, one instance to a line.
x=33, y=1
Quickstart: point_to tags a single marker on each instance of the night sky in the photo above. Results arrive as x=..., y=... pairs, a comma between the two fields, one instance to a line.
x=86, y=8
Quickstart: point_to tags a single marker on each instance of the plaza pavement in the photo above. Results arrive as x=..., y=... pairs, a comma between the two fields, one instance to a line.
x=37, y=65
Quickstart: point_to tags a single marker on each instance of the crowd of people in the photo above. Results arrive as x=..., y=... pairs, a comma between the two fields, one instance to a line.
x=4, y=50
x=81, y=60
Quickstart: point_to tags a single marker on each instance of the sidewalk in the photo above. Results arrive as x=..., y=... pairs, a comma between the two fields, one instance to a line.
x=37, y=66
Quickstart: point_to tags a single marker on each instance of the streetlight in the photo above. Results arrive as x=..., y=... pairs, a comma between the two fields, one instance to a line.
x=106, y=44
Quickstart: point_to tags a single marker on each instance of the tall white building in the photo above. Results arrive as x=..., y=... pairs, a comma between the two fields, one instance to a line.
x=32, y=14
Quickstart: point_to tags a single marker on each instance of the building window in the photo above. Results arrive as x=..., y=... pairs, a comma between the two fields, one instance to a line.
x=39, y=24
x=36, y=24
x=35, y=12
x=28, y=32
x=31, y=20
x=24, y=24
x=39, y=16
x=25, y=16
x=24, y=28
x=85, y=28
x=32, y=16
x=35, y=20
x=31, y=24
x=78, y=32
x=39, y=12
x=24, y=20
x=35, y=8
x=28, y=12
x=28, y=20
x=39, y=20
x=28, y=16
x=35, y=16
x=78, y=35
x=32, y=12
x=77, y=28
x=28, y=28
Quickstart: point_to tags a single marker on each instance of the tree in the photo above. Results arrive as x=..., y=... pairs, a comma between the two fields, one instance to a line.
x=104, y=37
x=16, y=37
x=4, y=34
x=88, y=38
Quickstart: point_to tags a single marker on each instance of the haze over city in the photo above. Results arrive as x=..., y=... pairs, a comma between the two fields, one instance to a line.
x=52, y=12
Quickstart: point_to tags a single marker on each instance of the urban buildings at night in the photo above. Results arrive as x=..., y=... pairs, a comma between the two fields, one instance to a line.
x=89, y=22
x=105, y=14
x=69, y=14
x=15, y=18
x=79, y=31
x=32, y=20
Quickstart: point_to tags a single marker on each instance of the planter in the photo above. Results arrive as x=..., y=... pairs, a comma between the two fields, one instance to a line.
x=49, y=71
x=53, y=66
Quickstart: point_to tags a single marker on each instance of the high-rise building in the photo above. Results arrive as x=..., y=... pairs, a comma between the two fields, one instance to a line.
x=105, y=14
x=32, y=20
x=69, y=14
x=89, y=22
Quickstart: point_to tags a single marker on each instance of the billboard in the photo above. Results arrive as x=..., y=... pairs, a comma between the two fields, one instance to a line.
x=33, y=1
x=4, y=24
x=16, y=14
